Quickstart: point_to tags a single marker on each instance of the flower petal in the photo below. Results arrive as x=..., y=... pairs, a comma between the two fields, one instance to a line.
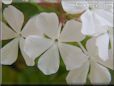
x=72, y=56
x=73, y=6
x=109, y=62
x=72, y=32
x=91, y=25
x=91, y=47
x=79, y=75
x=29, y=61
x=49, y=23
x=7, y=1
x=49, y=61
x=9, y=52
x=102, y=42
x=99, y=74
x=14, y=17
x=35, y=45
x=32, y=27
x=105, y=17
x=7, y=33
x=88, y=25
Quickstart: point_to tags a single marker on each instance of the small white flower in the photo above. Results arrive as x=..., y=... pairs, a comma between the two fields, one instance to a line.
x=50, y=46
x=7, y=1
x=102, y=27
x=95, y=68
x=15, y=19
x=95, y=20
x=94, y=17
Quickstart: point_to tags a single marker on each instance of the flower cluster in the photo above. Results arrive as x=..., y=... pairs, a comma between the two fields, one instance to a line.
x=44, y=36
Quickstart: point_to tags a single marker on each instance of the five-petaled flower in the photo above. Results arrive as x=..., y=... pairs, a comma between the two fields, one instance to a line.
x=54, y=41
x=15, y=19
x=94, y=68
x=96, y=21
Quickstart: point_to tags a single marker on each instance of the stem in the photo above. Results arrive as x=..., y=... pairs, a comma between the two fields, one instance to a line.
x=83, y=49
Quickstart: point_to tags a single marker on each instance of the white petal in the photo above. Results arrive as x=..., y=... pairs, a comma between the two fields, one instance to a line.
x=102, y=42
x=72, y=56
x=7, y=1
x=9, y=52
x=91, y=24
x=92, y=48
x=99, y=74
x=49, y=61
x=88, y=25
x=95, y=22
x=7, y=33
x=79, y=75
x=49, y=23
x=72, y=32
x=32, y=27
x=73, y=6
x=105, y=17
x=109, y=62
x=29, y=61
x=35, y=45
x=14, y=17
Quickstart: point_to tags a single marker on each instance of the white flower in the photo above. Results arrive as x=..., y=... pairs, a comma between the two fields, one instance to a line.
x=94, y=17
x=95, y=68
x=95, y=20
x=98, y=23
x=7, y=1
x=55, y=42
x=15, y=19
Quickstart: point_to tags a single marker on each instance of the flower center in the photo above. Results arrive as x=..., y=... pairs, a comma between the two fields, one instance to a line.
x=19, y=34
x=56, y=40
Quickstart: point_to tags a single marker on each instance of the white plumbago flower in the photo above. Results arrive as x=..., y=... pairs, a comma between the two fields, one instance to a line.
x=95, y=68
x=7, y=1
x=95, y=21
x=55, y=42
x=94, y=18
x=15, y=19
